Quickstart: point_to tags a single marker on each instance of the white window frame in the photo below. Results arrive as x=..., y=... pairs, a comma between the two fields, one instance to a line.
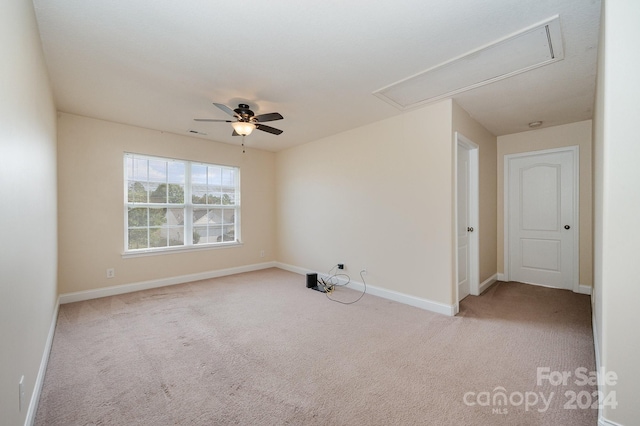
x=188, y=208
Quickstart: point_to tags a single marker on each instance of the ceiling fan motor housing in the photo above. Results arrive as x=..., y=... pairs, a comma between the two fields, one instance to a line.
x=244, y=112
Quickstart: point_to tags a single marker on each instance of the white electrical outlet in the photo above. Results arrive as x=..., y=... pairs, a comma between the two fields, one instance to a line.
x=21, y=392
x=111, y=272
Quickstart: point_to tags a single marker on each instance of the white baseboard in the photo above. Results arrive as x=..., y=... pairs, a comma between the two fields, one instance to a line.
x=488, y=283
x=594, y=325
x=162, y=282
x=584, y=289
x=604, y=422
x=501, y=276
x=596, y=347
x=596, y=343
x=417, y=302
x=37, y=387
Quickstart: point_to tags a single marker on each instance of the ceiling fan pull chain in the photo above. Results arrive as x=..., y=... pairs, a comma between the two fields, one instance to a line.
x=243, y=144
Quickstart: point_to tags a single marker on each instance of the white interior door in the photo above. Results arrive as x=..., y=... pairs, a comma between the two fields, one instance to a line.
x=542, y=212
x=464, y=226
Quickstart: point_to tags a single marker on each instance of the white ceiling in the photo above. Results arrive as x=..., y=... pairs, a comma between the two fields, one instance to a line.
x=161, y=63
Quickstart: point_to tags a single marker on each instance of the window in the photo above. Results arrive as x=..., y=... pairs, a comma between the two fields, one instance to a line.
x=175, y=203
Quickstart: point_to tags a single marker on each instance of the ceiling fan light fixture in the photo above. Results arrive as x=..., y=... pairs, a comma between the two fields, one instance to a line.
x=243, y=128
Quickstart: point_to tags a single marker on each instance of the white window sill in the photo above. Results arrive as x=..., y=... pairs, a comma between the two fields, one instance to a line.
x=179, y=249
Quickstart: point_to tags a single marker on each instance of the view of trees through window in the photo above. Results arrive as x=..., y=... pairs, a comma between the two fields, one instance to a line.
x=178, y=203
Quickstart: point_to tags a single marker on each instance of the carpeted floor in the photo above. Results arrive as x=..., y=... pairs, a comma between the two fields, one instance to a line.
x=261, y=349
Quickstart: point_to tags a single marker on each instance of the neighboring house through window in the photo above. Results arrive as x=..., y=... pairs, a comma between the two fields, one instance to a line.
x=173, y=203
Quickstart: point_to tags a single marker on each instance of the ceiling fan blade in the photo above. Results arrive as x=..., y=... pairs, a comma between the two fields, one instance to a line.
x=213, y=120
x=226, y=109
x=273, y=116
x=268, y=129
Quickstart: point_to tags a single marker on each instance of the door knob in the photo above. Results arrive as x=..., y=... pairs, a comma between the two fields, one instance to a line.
x=469, y=229
x=567, y=227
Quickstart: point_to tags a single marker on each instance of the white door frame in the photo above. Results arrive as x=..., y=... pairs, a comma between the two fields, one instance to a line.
x=575, y=151
x=474, y=261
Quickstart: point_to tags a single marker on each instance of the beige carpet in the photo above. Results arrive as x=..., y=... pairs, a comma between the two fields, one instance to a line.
x=261, y=349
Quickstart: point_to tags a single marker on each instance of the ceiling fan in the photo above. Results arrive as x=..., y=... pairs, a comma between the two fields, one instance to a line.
x=246, y=120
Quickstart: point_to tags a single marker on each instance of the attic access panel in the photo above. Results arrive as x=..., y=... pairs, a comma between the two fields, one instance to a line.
x=530, y=48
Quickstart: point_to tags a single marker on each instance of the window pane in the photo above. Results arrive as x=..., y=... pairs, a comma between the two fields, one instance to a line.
x=215, y=234
x=157, y=237
x=158, y=193
x=176, y=172
x=198, y=174
x=176, y=193
x=200, y=235
x=137, y=192
x=228, y=217
x=138, y=217
x=215, y=216
x=140, y=167
x=215, y=177
x=199, y=217
x=175, y=217
x=176, y=236
x=157, y=171
x=214, y=199
x=204, y=217
x=138, y=239
x=228, y=177
x=199, y=194
x=229, y=198
x=157, y=217
x=229, y=233
x=129, y=166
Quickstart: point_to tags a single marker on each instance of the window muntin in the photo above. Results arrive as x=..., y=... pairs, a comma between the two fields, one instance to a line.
x=173, y=203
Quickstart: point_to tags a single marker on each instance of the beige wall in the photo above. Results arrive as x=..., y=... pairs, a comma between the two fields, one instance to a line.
x=376, y=197
x=28, y=259
x=91, y=213
x=487, y=175
x=617, y=183
x=554, y=137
